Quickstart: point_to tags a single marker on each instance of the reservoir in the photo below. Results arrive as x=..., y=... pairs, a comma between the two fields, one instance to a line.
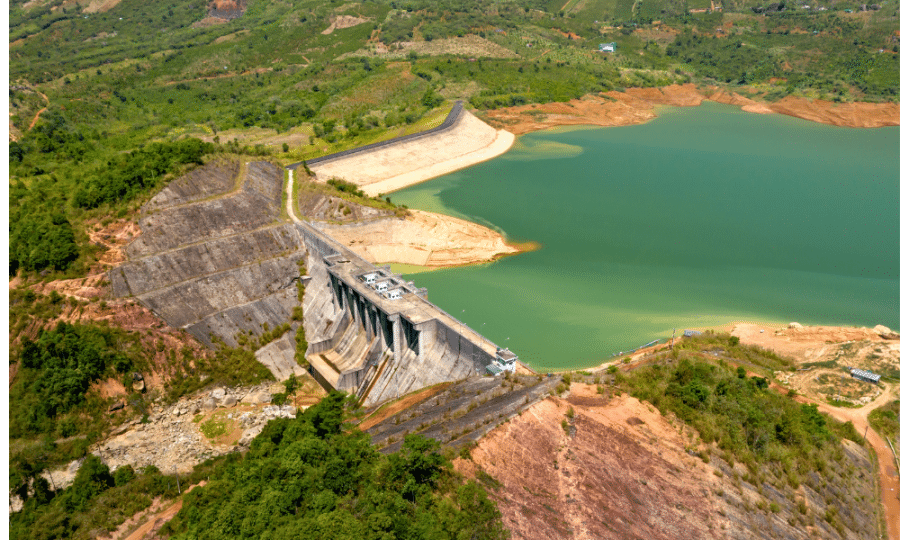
x=702, y=217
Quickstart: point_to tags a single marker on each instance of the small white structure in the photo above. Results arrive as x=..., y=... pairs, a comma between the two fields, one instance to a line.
x=382, y=286
x=608, y=47
x=370, y=278
x=505, y=360
x=865, y=375
x=394, y=294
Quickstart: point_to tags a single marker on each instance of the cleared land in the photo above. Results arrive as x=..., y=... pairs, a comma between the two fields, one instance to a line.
x=423, y=239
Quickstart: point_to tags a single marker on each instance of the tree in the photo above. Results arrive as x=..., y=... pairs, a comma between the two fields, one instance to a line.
x=91, y=479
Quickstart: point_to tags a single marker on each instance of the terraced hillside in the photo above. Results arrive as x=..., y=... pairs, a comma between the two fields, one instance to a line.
x=213, y=258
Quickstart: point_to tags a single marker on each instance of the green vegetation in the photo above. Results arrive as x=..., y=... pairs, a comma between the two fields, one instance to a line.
x=54, y=413
x=214, y=427
x=886, y=420
x=300, y=336
x=55, y=372
x=107, y=107
x=291, y=385
x=741, y=417
x=139, y=171
x=227, y=366
x=713, y=345
x=311, y=477
x=96, y=501
x=44, y=205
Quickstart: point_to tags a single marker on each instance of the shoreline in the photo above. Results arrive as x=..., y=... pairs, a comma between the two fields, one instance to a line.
x=426, y=240
x=748, y=331
x=636, y=106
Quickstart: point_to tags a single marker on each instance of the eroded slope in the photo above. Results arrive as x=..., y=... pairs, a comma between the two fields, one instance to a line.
x=605, y=466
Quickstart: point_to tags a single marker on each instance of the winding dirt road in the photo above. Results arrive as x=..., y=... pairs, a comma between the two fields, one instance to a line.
x=890, y=481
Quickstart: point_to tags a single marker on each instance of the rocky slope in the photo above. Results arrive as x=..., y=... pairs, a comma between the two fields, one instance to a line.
x=607, y=466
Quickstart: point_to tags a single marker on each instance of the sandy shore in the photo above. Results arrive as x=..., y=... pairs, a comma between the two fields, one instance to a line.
x=635, y=106
x=423, y=239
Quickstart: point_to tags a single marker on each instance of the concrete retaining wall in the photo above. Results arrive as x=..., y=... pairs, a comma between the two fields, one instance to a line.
x=218, y=255
x=248, y=318
x=256, y=204
x=219, y=267
x=212, y=179
x=189, y=301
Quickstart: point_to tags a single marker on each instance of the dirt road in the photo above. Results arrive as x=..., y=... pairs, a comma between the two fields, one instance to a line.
x=888, y=474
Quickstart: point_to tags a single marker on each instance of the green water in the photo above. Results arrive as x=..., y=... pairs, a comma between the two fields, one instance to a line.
x=702, y=217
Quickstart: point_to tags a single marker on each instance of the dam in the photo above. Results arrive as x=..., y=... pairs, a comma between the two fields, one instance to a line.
x=376, y=335
x=216, y=259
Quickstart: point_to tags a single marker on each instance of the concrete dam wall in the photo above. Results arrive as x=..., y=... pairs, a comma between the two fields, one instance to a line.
x=376, y=335
x=214, y=260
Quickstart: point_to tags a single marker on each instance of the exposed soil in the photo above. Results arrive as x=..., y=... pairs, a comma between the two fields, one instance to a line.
x=101, y=6
x=126, y=314
x=635, y=106
x=887, y=471
x=844, y=347
x=857, y=114
x=151, y=519
x=114, y=237
x=823, y=355
x=344, y=21
x=421, y=238
x=616, y=471
x=603, y=466
x=468, y=46
x=383, y=413
x=37, y=116
x=89, y=300
x=424, y=239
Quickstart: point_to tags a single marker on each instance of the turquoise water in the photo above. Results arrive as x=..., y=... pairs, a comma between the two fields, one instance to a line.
x=702, y=217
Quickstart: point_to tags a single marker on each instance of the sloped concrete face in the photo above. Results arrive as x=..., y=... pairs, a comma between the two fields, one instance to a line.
x=219, y=267
x=160, y=270
x=214, y=179
x=278, y=356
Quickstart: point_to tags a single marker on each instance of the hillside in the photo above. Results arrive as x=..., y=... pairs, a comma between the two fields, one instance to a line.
x=156, y=285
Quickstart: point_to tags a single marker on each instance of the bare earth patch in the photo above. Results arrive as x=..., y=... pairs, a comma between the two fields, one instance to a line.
x=101, y=6
x=618, y=471
x=344, y=21
x=424, y=239
x=604, y=466
x=468, y=46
